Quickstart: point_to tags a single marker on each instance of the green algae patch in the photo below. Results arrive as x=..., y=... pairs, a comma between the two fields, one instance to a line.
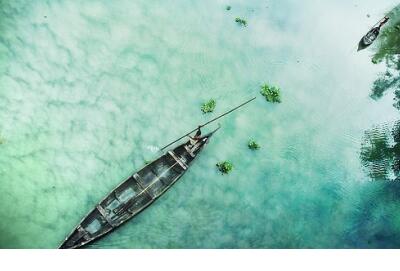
x=209, y=106
x=240, y=21
x=225, y=167
x=2, y=140
x=253, y=145
x=228, y=7
x=271, y=93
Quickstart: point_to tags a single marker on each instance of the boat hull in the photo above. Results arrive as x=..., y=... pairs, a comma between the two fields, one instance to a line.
x=368, y=39
x=135, y=194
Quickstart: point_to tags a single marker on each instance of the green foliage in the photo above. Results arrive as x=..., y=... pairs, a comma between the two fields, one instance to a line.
x=209, y=106
x=388, y=50
x=272, y=94
x=253, y=145
x=1, y=140
x=241, y=21
x=225, y=167
x=228, y=7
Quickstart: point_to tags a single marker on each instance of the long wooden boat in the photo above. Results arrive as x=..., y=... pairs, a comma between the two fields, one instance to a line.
x=136, y=193
x=141, y=189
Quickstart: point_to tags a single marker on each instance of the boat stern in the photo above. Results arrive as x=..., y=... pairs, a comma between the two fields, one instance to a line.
x=74, y=240
x=93, y=226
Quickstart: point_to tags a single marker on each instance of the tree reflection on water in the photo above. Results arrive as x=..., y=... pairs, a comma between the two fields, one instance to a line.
x=380, y=152
x=380, y=149
x=388, y=50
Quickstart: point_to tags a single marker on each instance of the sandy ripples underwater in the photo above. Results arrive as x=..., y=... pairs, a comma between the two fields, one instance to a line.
x=90, y=89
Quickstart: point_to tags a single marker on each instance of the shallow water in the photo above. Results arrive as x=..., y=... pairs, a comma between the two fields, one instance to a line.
x=90, y=89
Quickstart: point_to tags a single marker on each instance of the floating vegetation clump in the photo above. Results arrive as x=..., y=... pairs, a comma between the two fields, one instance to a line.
x=224, y=167
x=1, y=140
x=253, y=145
x=241, y=21
x=209, y=106
x=272, y=94
x=228, y=7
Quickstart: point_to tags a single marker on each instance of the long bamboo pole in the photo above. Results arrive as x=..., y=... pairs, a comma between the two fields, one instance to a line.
x=208, y=122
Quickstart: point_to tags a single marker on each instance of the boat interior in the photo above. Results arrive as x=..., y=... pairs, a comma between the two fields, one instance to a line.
x=134, y=194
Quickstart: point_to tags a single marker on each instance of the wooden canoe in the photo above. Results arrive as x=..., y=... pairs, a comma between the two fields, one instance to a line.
x=136, y=193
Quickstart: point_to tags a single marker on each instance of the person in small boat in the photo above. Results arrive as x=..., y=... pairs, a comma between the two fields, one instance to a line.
x=194, y=141
x=196, y=137
x=384, y=21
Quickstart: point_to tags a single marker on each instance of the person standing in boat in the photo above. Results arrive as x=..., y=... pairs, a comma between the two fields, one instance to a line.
x=196, y=137
x=195, y=141
x=385, y=19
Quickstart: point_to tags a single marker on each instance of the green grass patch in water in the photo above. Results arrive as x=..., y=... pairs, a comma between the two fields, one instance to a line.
x=271, y=93
x=225, y=167
x=253, y=145
x=209, y=106
x=241, y=22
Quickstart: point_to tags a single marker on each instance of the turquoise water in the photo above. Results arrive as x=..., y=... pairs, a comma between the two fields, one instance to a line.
x=90, y=89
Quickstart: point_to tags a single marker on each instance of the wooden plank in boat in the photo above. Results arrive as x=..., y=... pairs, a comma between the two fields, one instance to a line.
x=179, y=161
x=140, y=183
x=104, y=214
x=83, y=232
x=189, y=151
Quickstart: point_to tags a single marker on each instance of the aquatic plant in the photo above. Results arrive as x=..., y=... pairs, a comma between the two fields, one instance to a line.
x=209, y=106
x=272, y=94
x=253, y=145
x=224, y=167
x=228, y=7
x=1, y=140
x=241, y=21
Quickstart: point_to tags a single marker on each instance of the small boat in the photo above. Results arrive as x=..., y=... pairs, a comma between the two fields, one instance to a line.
x=140, y=190
x=372, y=34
